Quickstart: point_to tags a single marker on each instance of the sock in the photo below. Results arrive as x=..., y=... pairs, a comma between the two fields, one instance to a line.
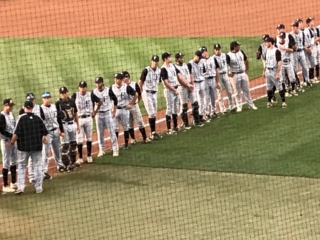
x=13, y=170
x=126, y=137
x=310, y=73
x=89, y=147
x=117, y=134
x=80, y=150
x=131, y=132
x=143, y=133
x=168, y=121
x=281, y=93
x=175, y=120
x=283, y=86
x=317, y=71
x=273, y=91
x=5, y=177
x=270, y=95
x=201, y=117
x=293, y=85
x=152, y=123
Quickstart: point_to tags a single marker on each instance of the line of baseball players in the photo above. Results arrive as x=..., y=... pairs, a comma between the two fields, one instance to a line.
x=282, y=55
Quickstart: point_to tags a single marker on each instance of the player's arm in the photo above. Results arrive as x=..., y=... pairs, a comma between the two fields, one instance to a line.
x=279, y=62
x=96, y=101
x=42, y=114
x=217, y=73
x=203, y=69
x=3, y=126
x=164, y=77
x=132, y=92
x=259, y=53
x=191, y=75
x=115, y=101
x=17, y=131
x=143, y=78
x=76, y=118
x=181, y=79
x=246, y=62
x=138, y=91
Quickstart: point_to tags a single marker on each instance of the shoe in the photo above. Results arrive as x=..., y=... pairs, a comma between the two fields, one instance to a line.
x=269, y=104
x=80, y=160
x=18, y=192
x=13, y=186
x=215, y=115
x=101, y=154
x=253, y=107
x=187, y=127
x=147, y=140
x=304, y=84
x=39, y=191
x=115, y=153
x=78, y=163
x=179, y=129
x=133, y=141
x=71, y=167
x=62, y=169
x=47, y=176
x=294, y=93
x=206, y=119
x=274, y=100
x=126, y=147
x=171, y=132
x=309, y=84
x=89, y=159
x=284, y=105
x=287, y=94
x=233, y=111
x=239, y=109
x=199, y=124
x=154, y=136
x=8, y=189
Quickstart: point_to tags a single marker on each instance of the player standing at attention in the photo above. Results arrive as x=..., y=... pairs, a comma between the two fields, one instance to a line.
x=171, y=78
x=68, y=113
x=272, y=71
x=135, y=113
x=54, y=127
x=120, y=93
x=84, y=101
x=315, y=34
x=224, y=79
x=239, y=67
x=148, y=83
x=9, y=154
x=212, y=81
x=103, y=117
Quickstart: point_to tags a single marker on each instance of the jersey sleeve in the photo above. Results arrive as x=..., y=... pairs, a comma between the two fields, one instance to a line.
x=73, y=97
x=130, y=90
x=42, y=113
x=189, y=67
x=292, y=42
x=18, y=129
x=164, y=74
x=21, y=111
x=260, y=51
x=138, y=90
x=144, y=74
x=94, y=98
x=216, y=63
x=113, y=97
x=244, y=55
x=278, y=55
x=3, y=126
x=75, y=107
x=177, y=70
x=228, y=58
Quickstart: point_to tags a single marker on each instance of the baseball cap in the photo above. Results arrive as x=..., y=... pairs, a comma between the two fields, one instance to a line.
x=295, y=24
x=282, y=35
x=63, y=89
x=165, y=55
x=265, y=36
x=198, y=53
x=280, y=26
x=217, y=46
x=99, y=80
x=28, y=104
x=46, y=95
x=8, y=101
x=234, y=44
x=269, y=39
x=203, y=49
x=118, y=76
x=30, y=96
x=125, y=74
x=309, y=19
x=299, y=20
x=155, y=58
x=82, y=84
x=179, y=55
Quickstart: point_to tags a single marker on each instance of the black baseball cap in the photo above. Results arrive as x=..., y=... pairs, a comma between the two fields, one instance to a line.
x=269, y=39
x=309, y=19
x=118, y=76
x=295, y=24
x=28, y=104
x=217, y=46
x=46, y=95
x=126, y=74
x=198, y=53
x=265, y=36
x=282, y=35
x=234, y=44
x=179, y=55
x=8, y=101
x=203, y=49
x=99, y=80
x=165, y=55
x=155, y=58
x=280, y=26
x=82, y=84
x=30, y=96
x=299, y=20
x=63, y=89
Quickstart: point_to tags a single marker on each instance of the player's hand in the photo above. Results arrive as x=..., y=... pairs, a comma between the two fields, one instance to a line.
x=61, y=134
x=218, y=86
x=277, y=77
x=231, y=75
x=8, y=144
x=191, y=87
x=258, y=54
x=78, y=129
x=94, y=114
x=129, y=106
x=176, y=92
x=113, y=114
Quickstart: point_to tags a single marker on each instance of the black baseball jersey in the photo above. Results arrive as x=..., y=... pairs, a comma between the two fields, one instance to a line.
x=66, y=109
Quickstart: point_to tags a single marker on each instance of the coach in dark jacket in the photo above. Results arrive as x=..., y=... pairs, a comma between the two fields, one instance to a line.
x=30, y=133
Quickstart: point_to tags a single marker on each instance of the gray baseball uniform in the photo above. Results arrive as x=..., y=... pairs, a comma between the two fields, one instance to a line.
x=273, y=56
x=210, y=81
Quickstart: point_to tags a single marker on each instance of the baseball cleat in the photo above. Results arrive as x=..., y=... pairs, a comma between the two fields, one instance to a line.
x=89, y=159
x=78, y=162
x=284, y=105
x=309, y=84
x=115, y=153
x=147, y=140
x=154, y=136
x=234, y=110
x=287, y=94
x=215, y=115
x=199, y=124
x=133, y=141
x=274, y=100
x=304, y=84
x=18, y=192
x=101, y=154
x=171, y=132
x=126, y=147
x=71, y=167
x=239, y=109
x=269, y=104
x=8, y=189
x=294, y=93
x=253, y=107
x=62, y=169
x=39, y=191
x=13, y=186
x=47, y=177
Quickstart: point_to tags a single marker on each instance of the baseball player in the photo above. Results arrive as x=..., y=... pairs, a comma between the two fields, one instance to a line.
x=84, y=103
x=103, y=117
x=68, y=114
x=199, y=88
x=315, y=37
x=239, y=67
x=9, y=154
x=299, y=54
x=185, y=94
x=272, y=70
x=212, y=81
x=123, y=97
x=148, y=83
x=221, y=59
x=54, y=127
x=134, y=111
x=286, y=49
x=171, y=78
